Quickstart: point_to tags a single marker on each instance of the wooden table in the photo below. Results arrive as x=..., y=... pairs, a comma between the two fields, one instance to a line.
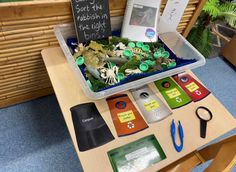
x=69, y=93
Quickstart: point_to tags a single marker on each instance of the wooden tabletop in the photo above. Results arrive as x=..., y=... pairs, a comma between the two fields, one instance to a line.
x=69, y=93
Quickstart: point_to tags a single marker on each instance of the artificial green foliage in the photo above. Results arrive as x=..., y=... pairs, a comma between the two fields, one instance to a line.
x=131, y=64
x=109, y=47
x=155, y=45
x=115, y=40
x=153, y=69
x=103, y=41
x=96, y=84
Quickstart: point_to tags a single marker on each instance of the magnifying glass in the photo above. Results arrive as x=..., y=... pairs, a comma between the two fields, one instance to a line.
x=205, y=115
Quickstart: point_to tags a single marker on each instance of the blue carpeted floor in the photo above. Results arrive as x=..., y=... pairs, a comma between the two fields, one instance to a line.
x=34, y=137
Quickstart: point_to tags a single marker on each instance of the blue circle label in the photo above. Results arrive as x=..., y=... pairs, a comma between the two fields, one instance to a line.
x=150, y=33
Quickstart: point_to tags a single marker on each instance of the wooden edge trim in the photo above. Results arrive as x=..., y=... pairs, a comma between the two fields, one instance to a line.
x=196, y=13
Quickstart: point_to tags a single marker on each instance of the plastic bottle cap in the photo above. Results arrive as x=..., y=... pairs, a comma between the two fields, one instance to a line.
x=164, y=65
x=128, y=53
x=150, y=62
x=172, y=64
x=161, y=49
x=143, y=67
x=131, y=44
x=153, y=63
x=165, y=54
x=89, y=84
x=120, y=76
x=149, y=56
x=79, y=61
x=157, y=54
x=139, y=44
x=145, y=48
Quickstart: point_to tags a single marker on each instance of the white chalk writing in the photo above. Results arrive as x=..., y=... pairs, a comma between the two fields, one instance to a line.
x=92, y=18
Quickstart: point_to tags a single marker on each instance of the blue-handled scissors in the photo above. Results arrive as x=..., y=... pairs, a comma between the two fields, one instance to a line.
x=178, y=148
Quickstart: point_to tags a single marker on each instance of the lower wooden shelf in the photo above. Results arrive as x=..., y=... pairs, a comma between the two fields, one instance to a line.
x=26, y=96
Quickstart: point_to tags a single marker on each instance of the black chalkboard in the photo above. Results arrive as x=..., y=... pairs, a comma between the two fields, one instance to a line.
x=92, y=19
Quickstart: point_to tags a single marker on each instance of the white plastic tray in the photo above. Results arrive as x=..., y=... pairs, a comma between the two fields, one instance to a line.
x=175, y=42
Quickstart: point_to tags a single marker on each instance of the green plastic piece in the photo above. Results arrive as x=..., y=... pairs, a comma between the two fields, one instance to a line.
x=157, y=54
x=164, y=65
x=150, y=62
x=143, y=67
x=173, y=94
x=120, y=76
x=128, y=53
x=139, y=44
x=149, y=56
x=172, y=64
x=79, y=61
x=131, y=44
x=89, y=84
x=161, y=49
x=165, y=54
x=145, y=48
x=116, y=40
x=112, y=64
x=131, y=64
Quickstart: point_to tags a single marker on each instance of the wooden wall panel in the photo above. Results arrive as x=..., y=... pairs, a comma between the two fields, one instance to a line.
x=27, y=27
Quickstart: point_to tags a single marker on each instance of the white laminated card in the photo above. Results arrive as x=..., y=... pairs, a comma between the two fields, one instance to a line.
x=140, y=20
x=172, y=15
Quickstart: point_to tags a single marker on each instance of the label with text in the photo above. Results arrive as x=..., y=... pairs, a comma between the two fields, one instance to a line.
x=126, y=116
x=192, y=87
x=151, y=105
x=173, y=93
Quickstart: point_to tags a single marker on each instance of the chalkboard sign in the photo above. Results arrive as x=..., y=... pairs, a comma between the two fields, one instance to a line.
x=92, y=19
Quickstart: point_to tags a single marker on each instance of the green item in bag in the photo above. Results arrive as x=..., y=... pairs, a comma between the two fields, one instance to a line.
x=137, y=155
x=173, y=94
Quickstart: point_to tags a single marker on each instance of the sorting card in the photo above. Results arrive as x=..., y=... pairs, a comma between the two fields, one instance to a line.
x=125, y=116
x=140, y=20
x=173, y=94
x=191, y=86
x=92, y=19
x=137, y=155
x=151, y=106
x=90, y=128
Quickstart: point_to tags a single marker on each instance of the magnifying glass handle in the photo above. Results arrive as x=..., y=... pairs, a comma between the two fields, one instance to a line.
x=203, y=127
